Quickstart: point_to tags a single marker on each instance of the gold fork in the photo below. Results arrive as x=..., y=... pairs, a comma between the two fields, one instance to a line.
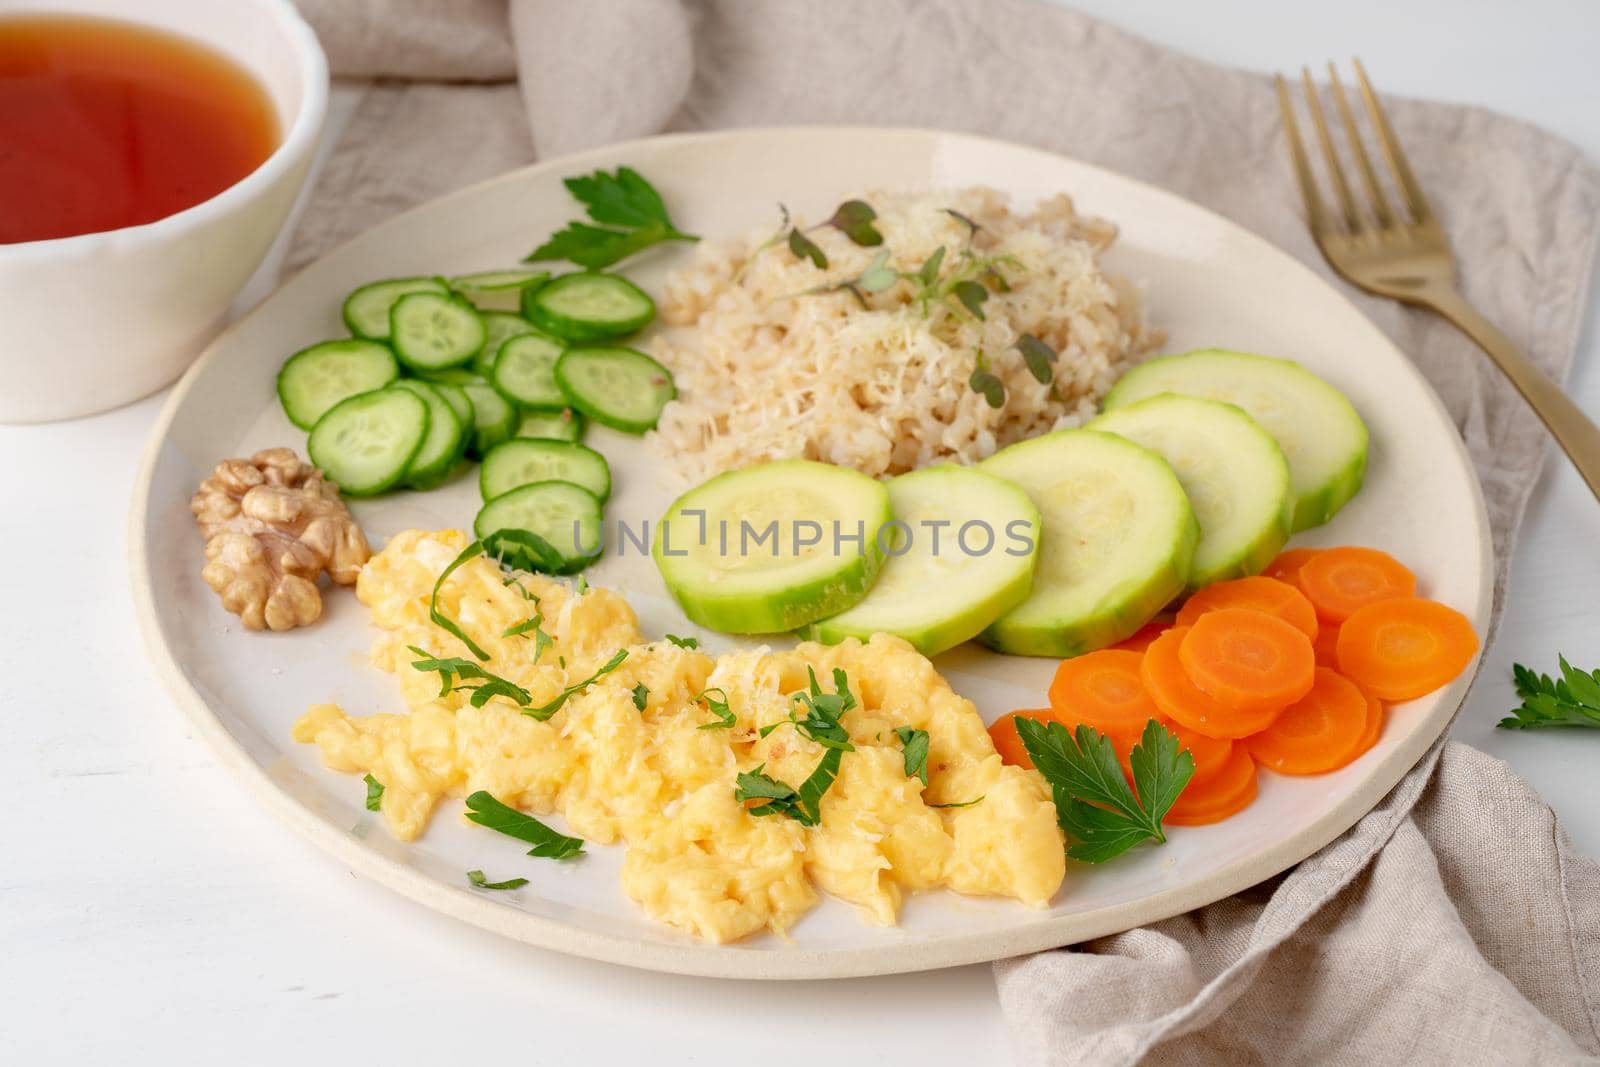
x=1409, y=259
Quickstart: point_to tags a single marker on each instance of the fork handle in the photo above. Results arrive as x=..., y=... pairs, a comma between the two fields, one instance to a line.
x=1573, y=430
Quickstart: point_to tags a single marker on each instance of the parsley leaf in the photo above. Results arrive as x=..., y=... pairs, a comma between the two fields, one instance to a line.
x=443, y=621
x=453, y=671
x=545, y=711
x=1571, y=700
x=758, y=785
x=854, y=219
x=683, y=642
x=915, y=743
x=631, y=214
x=718, y=706
x=478, y=880
x=485, y=810
x=1038, y=356
x=374, y=793
x=1094, y=804
x=641, y=697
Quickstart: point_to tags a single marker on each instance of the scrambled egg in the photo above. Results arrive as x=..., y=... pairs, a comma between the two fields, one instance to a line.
x=696, y=858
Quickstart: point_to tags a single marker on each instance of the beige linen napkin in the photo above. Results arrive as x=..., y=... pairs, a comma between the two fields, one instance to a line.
x=1453, y=923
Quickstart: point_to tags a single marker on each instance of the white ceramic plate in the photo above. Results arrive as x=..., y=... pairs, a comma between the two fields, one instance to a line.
x=1209, y=282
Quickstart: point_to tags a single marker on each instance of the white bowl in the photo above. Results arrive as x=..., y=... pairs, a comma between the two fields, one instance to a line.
x=94, y=321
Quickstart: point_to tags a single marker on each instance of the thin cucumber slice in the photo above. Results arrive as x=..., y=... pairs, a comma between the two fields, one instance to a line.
x=447, y=437
x=498, y=281
x=563, y=425
x=493, y=420
x=459, y=402
x=588, y=306
x=524, y=460
x=365, y=444
x=1234, y=474
x=315, y=379
x=962, y=555
x=431, y=331
x=770, y=548
x=617, y=387
x=1320, y=433
x=564, y=516
x=1118, y=540
x=366, y=311
x=525, y=372
x=498, y=328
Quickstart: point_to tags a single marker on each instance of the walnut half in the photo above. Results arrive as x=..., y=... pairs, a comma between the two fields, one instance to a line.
x=272, y=526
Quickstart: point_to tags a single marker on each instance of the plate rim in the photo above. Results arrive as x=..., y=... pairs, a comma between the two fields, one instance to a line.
x=789, y=962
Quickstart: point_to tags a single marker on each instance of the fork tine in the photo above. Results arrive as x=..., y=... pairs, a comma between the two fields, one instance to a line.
x=1369, y=177
x=1347, y=203
x=1315, y=212
x=1416, y=202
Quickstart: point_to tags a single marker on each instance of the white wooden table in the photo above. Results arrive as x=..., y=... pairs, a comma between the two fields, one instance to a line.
x=149, y=912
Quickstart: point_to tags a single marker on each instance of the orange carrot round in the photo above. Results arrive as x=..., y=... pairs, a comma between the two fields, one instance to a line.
x=1229, y=792
x=1248, y=660
x=1339, y=581
x=1288, y=563
x=1180, y=700
x=1103, y=690
x=1375, y=720
x=1141, y=638
x=1210, y=754
x=1326, y=646
x=1322, y=731
x=1007, y=742
x=1258, y=594
x=1402, y=649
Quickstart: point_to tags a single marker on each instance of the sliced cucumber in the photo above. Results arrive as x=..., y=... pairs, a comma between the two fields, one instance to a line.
x=366, y=311
x=588, y=306
x=498, y=290
x=564, y=516
x=1320, y=433
x=1234, y=474
x=459, y=402
x=493, y=419
x=617, y=387
x=525, y=372
x=1118, y=540
x=962, y=555
x=523, y=461
x=365, y=444
x=447, y=437
x=498, y=328
x=563, y=425
x=769, y=548
x=315, y=379
x=433, y=331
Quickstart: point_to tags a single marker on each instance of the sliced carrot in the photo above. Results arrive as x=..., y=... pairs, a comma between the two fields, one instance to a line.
x=1227, y=793
x=1326, y=646
x=1288, y=563
x=1210, y=754
x=1103, y=690
x=1320, y=732
x=1401, y=649
x=1007, y=742
x=1375, y=720
x=1180, y=700
x=1248, y=660
x=1141, y=638
x=1258, y=594
x=1338, y=581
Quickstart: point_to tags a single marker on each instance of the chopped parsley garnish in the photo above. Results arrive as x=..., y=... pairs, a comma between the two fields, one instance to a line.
x=631, y=214
x=960, y=804
x=821, y=724
x=453, y=671
x=535, y=625
x=443, y=621
x=1571, y=700
x=718, y=706
x=915, y=744
x=641, y=697
x=374, y=793
x=544, y=711
x=1094, y=804
x=485, y=810
x=683, y=642
x=478, y=880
